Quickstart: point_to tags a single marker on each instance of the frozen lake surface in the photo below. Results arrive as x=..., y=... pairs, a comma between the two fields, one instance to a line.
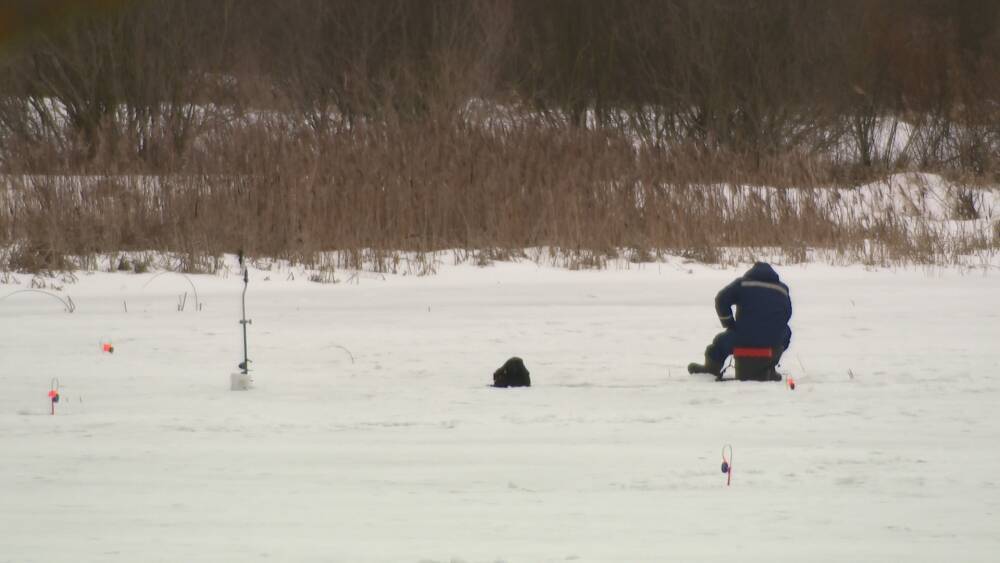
x=371, y=433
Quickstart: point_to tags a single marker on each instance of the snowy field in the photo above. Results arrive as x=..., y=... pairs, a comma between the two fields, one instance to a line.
x=371, y=434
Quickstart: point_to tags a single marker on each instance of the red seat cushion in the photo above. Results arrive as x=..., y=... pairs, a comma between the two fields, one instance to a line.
x=753, y=353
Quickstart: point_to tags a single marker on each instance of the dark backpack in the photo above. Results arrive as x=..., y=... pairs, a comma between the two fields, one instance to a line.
x=512, y=374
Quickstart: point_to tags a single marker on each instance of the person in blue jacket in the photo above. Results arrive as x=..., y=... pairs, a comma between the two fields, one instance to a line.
x=763, y=308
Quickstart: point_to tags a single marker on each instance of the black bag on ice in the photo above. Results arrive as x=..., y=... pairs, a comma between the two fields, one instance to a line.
x=512, y=374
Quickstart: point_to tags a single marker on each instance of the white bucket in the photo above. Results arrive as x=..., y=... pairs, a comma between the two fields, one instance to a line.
x=240, y=382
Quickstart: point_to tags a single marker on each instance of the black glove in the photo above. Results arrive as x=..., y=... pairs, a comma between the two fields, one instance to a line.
x=729, y=324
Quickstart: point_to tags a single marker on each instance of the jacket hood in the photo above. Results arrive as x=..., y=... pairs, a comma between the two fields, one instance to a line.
x=761, y=271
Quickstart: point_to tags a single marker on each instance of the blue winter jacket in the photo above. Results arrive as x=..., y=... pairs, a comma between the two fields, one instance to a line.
x=763, y=308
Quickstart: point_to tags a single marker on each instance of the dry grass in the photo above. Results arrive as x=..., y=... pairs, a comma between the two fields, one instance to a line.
x=377, y=189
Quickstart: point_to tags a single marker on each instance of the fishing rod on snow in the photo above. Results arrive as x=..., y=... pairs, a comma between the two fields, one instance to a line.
x=727, y=463
x=245, y=364
x=242, y=381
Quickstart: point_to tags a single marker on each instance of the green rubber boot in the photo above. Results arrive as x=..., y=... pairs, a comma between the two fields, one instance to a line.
x=710, y=366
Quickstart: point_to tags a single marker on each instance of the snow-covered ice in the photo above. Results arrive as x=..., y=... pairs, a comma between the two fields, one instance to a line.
x=371, y=433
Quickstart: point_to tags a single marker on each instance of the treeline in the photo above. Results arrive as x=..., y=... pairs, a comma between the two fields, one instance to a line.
x=471, y=123
x=752, y=78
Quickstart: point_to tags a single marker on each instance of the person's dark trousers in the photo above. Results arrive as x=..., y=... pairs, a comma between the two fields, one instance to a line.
x=721, y=347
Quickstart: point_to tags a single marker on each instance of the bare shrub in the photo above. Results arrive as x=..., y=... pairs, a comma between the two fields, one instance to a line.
x=34, y=258
x=964, y=205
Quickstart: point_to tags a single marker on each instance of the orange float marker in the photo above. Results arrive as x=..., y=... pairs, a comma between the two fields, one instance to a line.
x=54, y=395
